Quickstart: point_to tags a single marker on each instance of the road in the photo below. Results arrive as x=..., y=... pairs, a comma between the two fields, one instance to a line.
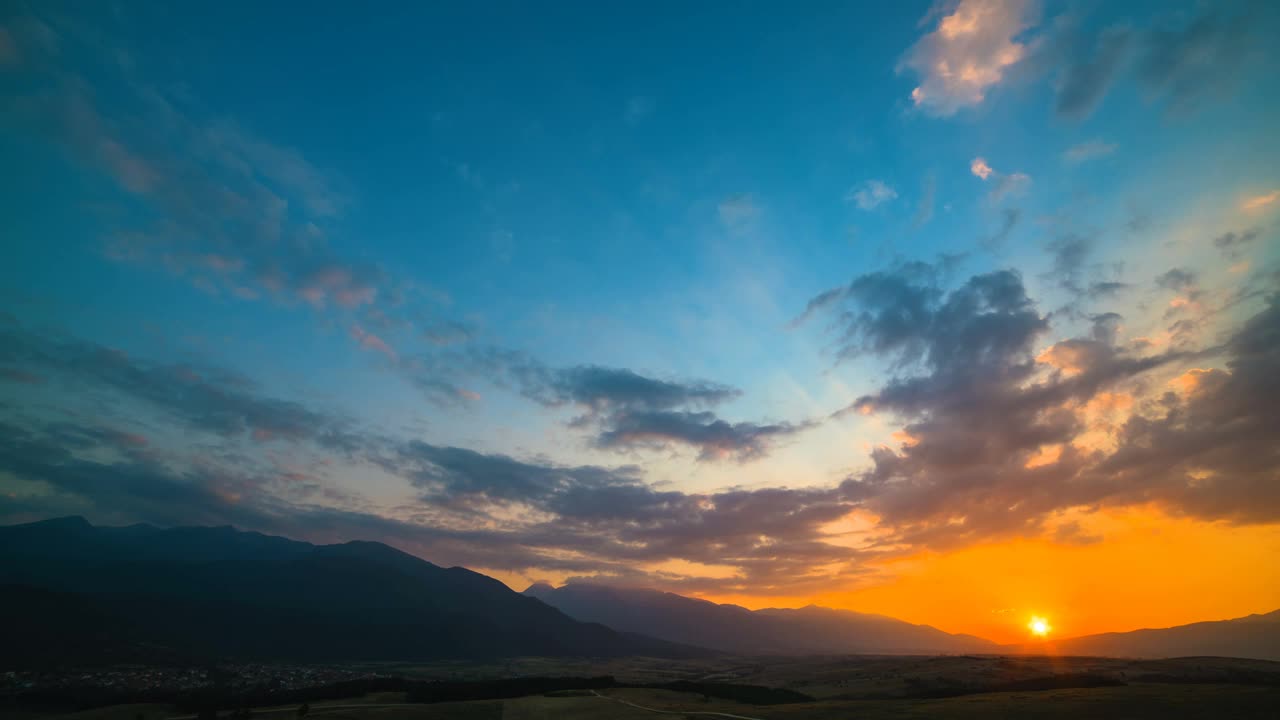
x=674, y=712
x=321, y=709
x=316, y=710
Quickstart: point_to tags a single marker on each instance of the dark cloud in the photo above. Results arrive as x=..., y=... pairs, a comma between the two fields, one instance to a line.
x=715, y=438
x=204, y=398
x=1231, y=243
x=633, y=411
x=579, y=519
x=1069, y=254
x=1106, y=326
x=1184, y=61
x=602, y=388
x=1009, y=221
x=991, y=424
x=1105, y=289
x=1176, y=279
x=1210, y=452
x=1088, y=72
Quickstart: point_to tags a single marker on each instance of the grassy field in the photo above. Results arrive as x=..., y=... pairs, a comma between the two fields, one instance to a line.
x=1135, y=701
x=865, y=688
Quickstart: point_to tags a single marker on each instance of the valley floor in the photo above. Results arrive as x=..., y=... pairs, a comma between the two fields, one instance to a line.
x=865, y=688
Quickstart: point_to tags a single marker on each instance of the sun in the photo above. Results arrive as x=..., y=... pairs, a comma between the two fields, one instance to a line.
x=1039, y=627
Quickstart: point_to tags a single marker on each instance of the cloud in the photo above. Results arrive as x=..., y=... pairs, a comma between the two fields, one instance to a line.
x=632, y=411
x=1086, y=76
x=998, y=434
x=715, y=438
x=447, y=333
x=1183, y=62
x=1005, y=185
x=581, y=519
x=1232, y=243
x=1105, y=289
x=968, y=53
x=604, y=389
x=738, y=212
x=1088, y=151
x=871, y=195
x=227, y=211
x=997, y=447
x=369, y=341
x=1176, y=279
x=1009, y=221
x=1210, y=453
x=1069, y=253
x=1260, y=202
x=204, y=398
x=924, y=209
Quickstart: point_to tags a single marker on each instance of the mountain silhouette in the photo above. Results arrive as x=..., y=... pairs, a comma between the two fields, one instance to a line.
x=732, y=628
x=75, y=592
x=1252, y=636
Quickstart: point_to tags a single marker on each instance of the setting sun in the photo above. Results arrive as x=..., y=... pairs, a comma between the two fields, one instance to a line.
x=1039, y=626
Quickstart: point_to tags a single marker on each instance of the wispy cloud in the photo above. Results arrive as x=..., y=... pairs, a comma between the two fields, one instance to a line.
x=1088, y=151
x=871, y=194
x=1258, y=203
x=738, y=212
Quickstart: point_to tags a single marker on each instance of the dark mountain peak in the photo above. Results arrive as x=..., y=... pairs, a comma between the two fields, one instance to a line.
x=68, y=523
x=539, y=589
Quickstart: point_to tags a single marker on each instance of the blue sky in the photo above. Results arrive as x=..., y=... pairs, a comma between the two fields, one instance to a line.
x=578, y=236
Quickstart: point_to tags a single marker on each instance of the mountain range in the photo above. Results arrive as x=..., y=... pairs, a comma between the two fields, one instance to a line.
x=73, y=593
x=735, y=629
x=1252, y=636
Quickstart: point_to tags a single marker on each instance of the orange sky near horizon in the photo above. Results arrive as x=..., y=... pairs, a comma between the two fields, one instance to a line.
x=1148, y=570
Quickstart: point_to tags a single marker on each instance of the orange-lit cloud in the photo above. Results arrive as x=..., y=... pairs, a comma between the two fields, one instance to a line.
x=1260, y=202
x=968, y=53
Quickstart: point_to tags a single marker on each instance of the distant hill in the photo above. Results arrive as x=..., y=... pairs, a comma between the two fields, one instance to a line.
x=74, y=593
x=1253, y=636
x=736, y=629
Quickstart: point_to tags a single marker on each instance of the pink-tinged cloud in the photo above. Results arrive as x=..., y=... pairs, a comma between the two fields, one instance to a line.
x=131, y=439
x=263, y=435
x=1005, y=184
x=338, y=284
x=222, y=263
x=1260, y=202
x=968, y=53
x=369, y=341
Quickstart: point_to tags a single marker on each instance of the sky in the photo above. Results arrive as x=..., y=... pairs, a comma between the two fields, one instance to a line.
x=960, y=313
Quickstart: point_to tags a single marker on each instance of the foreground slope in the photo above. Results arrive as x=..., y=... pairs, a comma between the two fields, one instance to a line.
x=736, y=629
x=88, y=593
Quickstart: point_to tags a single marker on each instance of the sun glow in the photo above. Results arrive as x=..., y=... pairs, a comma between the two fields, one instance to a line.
x=1039, y=627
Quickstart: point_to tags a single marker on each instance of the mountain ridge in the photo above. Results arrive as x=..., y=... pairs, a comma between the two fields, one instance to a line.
x=733, y=628
x=220, y=592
